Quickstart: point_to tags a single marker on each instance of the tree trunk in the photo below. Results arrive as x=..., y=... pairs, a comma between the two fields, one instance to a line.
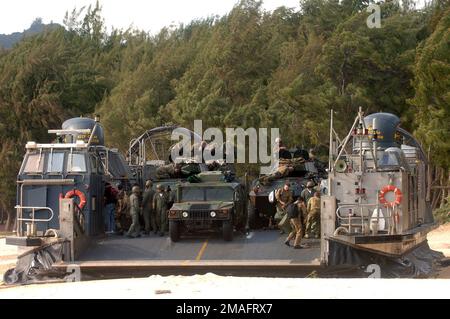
x=429, y=181
x=436, y=192
x=445, y=192
x=10, y=221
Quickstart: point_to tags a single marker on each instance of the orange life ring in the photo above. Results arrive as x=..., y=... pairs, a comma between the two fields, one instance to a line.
x=78, y=194
x=387, y=189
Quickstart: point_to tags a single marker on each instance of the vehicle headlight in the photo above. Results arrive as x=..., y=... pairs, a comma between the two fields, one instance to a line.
x=213, y=214
x=185, y=214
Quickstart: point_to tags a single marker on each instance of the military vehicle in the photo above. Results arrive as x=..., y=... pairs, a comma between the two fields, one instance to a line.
x=301, y=169
x=213, y=202
x=376, y=200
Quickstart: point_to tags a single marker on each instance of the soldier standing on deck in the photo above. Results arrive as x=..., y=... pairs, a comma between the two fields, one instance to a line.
x=294, y=215
x=170, y=197
x=135, y=208
x=160, y=203
x=147, y=208
x=313, y=223
x=308, y=192
x=122, y=210
x=303, y=214
x=284, y=197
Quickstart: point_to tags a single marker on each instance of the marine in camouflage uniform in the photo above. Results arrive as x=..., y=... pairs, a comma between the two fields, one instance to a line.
x=308, y=192
x=160, y=203
x=303, y=214
x=284, y=198
x=282, y=171
x=294, y=215
x=313, y=222
x=177, y=170
x=305, y=195
x=285, y=168
x=165, y=172
x=298, y=164
x=135, y=208
x=170, y=197
x=147, y=208
x=122, y=213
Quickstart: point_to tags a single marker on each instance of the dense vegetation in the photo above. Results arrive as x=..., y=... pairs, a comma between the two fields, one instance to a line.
x=283, y=69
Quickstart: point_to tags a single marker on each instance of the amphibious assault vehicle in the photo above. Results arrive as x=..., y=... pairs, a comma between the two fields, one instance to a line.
x=297, y=169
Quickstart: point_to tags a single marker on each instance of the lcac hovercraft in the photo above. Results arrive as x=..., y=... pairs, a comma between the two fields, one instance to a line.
x=376, y=210
x=60, y=190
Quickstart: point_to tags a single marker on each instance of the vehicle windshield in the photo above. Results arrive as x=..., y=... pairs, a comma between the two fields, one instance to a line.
x=189, y=194
x=34, y=164
x=219, y=194
x=207, y=194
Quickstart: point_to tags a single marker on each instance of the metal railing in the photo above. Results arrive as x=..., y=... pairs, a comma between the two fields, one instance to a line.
x=361, y=216
x=33, y=220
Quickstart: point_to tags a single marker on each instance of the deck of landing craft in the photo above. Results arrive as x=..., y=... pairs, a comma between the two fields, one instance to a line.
x=256, y=246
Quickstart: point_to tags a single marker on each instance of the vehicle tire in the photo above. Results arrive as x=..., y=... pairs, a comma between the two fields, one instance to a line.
x=252, y=216
x=174, y=230
x=227, y=229
x=11, y=277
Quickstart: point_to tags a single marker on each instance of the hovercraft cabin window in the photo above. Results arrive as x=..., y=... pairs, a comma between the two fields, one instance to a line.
x=34, y=164
x=76, y=163
x=55, y=162
x=388, y=159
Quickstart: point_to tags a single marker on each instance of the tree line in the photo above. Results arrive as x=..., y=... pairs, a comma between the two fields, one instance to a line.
x=249, y=68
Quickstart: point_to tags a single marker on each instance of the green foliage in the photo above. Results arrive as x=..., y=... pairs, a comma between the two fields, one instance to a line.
x=432, y=84
x=283, y=69
x=442, y=214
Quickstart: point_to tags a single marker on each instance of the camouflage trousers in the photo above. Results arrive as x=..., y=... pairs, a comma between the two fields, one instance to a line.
x=296, y=232
x=135, y=226
x=282, y=220
x=150, y=220
x=313, y=223
x=162, y=220
x=303, y=220
x=123, y=221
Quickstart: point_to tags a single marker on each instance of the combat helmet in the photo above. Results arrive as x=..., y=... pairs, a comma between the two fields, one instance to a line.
x=136, y=189
x=310, y=184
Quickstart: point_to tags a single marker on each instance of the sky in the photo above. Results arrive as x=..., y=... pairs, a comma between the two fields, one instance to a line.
x=147, y=15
